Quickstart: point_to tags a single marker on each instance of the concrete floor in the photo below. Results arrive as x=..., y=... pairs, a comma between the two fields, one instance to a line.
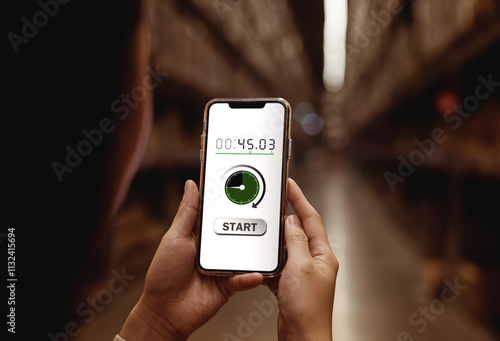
x=379, y=294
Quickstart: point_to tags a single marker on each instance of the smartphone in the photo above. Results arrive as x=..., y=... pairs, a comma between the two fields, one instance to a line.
x=245, y=153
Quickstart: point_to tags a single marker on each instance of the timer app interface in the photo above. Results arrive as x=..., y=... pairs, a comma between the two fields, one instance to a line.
x=241, y=200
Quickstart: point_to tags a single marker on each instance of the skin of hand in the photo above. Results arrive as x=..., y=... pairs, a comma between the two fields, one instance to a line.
x=305, y=290
x=177, y=299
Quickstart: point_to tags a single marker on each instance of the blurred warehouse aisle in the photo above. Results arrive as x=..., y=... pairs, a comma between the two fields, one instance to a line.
x=380, y=294
x=395, y=125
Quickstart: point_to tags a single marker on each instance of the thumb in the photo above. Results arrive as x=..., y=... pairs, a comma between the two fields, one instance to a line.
x=186, y=216
x=297, y=242
x=243, y=282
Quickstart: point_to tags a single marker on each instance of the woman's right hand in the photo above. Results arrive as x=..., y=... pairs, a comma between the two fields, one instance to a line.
x=306, y=287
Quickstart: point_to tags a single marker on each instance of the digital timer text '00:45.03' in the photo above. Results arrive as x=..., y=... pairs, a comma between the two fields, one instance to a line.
x=245, y=144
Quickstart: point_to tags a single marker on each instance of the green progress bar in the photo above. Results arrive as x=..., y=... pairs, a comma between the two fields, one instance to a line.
x=245, y=153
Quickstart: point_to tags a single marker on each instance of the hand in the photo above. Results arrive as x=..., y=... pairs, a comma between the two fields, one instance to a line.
x=306, y=287
x=177, y=299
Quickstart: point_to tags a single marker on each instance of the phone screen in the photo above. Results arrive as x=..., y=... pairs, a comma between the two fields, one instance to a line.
x=242, y=190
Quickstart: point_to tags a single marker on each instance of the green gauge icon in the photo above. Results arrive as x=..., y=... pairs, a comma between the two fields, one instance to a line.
x=242, y=187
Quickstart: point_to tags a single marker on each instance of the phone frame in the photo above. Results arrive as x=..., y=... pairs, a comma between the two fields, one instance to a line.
x=287, y=141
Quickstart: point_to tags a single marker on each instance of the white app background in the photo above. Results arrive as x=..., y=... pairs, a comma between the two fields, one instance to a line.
x=226, y=127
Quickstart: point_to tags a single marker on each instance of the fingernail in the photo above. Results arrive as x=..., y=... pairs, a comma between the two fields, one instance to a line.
x=294, y=220
x=186, y=188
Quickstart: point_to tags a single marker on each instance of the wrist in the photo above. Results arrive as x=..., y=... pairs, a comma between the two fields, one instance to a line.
x=314, y=331
x=324, y=334
x=145, y=324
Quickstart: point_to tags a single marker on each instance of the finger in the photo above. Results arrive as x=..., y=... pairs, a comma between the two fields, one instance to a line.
x=187, y=215
x=311, y=220
x=243, y=282
x=297, y=242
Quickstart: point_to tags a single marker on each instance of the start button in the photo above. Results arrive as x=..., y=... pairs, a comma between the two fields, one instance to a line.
x=239, y=226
